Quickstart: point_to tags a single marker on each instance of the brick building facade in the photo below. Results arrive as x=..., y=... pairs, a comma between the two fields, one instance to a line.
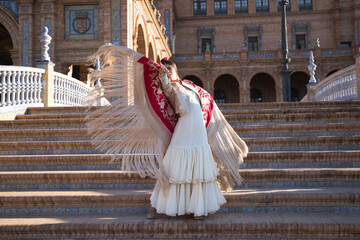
x=230, y=47
x=77, y=29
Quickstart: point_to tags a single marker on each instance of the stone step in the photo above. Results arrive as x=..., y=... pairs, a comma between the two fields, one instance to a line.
x=276, y=111
x=43, y=124
x=125, y=201
x=293, y=117
x=54, y=113
x=216, y=226
x=321, y=143
x=298, y=130
x=248, y=131
x=114, y=179
x=289, y=105
x=324, y=159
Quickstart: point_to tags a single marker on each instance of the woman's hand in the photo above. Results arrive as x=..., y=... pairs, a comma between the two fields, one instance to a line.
x=162, y=70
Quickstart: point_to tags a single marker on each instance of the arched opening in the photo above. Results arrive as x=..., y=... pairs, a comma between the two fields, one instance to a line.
x=195, y=80
x=141, y=41
x=333, y=71
x=226, y=89
x=298, y=80
x=151, y=52
x=255, y=95
x=6, y=45
x=262, y=86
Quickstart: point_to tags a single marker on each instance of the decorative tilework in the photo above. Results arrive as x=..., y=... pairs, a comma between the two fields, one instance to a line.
x=270, y=54
x=116, y=22
x=11, y=5
x=346, y=51
x=25, y=40
x=182, y=58
x=358, y=34
x=167, y=25
x=326, y=52
x=253, y=55
x=198, y=57
x=306, y=53
x=234, y=56
x=81, y=22
x=216, y=56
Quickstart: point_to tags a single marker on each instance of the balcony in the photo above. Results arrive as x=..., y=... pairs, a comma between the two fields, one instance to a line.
x=264, y=55
x=262, y=9
x=199, y=12
x=220, y=11
x=241, y=10
x=306, y=7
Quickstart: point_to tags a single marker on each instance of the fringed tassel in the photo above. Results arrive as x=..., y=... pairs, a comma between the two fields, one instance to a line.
x=122, y=129
x=228, y=150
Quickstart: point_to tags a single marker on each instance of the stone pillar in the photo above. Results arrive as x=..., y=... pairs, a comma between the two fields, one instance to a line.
x=26, y=32
x=47, y=94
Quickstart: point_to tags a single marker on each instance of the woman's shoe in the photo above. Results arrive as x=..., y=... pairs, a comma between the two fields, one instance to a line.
x=198, y=217
x=152, y=213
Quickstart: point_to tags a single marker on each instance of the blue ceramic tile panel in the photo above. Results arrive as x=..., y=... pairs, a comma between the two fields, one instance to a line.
x=81, y=22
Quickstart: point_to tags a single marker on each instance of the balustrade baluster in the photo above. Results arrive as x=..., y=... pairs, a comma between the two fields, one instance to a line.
x=3, y=89
x=22, y=87
x=38, y=77
x=14, y=88
x=8, y=89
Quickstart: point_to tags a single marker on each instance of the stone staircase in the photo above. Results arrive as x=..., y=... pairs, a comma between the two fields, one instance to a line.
x=301, y=179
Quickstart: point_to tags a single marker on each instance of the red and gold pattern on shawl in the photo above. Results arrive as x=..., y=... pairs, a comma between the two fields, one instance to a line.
x=161, y=104
x=206, y=100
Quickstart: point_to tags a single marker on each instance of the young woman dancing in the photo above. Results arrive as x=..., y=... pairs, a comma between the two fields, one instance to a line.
x=168, y=129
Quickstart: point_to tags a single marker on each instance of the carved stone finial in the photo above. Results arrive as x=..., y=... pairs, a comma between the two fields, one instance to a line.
x=317, y=43
x=45, y=40
x=312, y=67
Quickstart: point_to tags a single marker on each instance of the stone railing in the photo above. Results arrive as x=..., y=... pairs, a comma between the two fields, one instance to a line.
x=339, y=86
x=20, y=86
x=69, y=91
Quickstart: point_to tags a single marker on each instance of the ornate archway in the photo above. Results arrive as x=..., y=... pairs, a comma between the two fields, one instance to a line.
x=195, y=80
x=140, y=41
x=298, y=80
x=226, y=89
x=6, y=45
x=9, y=37
x=262, y=88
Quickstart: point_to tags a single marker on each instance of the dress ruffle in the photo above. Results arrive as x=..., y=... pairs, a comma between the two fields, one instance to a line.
x=190, y=164
x=193, y=187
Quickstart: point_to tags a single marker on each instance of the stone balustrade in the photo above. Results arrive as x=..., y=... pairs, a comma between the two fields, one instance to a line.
x=69, y=91
x=23, y=87
x=20, y=86
x=340, y=86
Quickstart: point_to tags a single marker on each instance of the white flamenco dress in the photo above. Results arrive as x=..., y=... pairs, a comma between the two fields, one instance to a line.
x=191, y=167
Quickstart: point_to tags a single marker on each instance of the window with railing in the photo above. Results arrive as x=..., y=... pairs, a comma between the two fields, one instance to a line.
x=305, y=5
x=199, y=7
x=253, y=44
x=262, y=6
x=241, y=6
x=220, y=7
x=280, y=8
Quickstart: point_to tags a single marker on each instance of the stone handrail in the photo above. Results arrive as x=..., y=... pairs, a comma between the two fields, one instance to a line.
x=339, y=86
x=20, y=86
x=69, y=91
